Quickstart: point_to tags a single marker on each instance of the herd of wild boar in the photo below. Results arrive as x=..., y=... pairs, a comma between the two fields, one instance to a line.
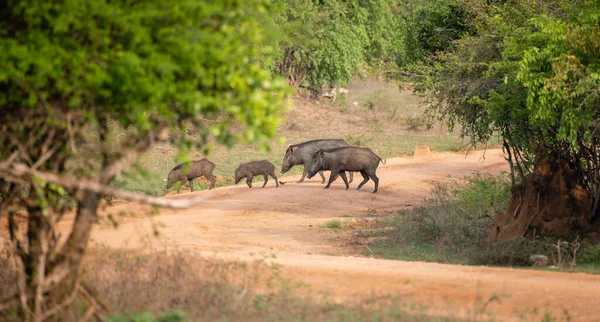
x=316, y=156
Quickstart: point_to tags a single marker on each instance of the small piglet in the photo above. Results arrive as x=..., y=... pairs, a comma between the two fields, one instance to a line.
x=255, y=168
x=187, y=172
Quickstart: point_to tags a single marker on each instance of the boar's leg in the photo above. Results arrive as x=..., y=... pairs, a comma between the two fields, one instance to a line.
x=343, y=175
x=191, y=182
x=304, y=173
x=249, y=181
x=212, y=180
x=322, y=176
x=374, y=178
x=332, y=178
x=351, y=176
x=272, y=174
x=365, y=177
x=266, y=179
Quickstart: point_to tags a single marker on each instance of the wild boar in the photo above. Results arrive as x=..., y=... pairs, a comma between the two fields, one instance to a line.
x=302, y=153
x=342, y=159
x=187, y=172
x=255, y=168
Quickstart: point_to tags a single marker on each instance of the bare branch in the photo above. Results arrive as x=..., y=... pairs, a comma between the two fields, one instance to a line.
x=63, y=305
x=41, y=273
x=58, y=274
x=91, y=292
x=45, y=156
x=9, y=302
x=10, y=159
x=71, y=133
x=17, y=171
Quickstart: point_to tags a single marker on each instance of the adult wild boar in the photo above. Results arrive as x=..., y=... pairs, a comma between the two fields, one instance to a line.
x=187, y=172
x=302, y=153
x=255, y=168
x=342, y=159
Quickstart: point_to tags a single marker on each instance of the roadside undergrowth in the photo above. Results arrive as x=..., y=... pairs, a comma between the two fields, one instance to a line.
x=451, y=226
x=181, y=286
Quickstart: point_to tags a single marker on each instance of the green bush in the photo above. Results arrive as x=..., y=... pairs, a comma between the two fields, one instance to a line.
x=512, y=252
x=334, y=224
x=590, y=254
x=357, y=139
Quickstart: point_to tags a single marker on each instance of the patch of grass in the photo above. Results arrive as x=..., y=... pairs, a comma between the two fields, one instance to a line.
x=334, y=224
x=416, y=123
x=358, y=139
x=146, y=316
x=452, y=224
x=378, y=100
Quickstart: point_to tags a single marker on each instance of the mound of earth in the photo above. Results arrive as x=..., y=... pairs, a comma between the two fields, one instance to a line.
x=550, y=203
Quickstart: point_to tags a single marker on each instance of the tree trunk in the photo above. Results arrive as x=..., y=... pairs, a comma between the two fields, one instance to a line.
x=68, y=264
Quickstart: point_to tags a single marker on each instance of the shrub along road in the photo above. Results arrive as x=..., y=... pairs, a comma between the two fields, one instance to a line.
x=287, y=223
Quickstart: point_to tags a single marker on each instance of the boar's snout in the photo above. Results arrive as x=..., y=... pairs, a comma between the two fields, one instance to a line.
x=285, y=167
x=238, y=177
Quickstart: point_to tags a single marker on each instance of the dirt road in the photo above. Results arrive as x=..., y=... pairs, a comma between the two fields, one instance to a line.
x=235, y=222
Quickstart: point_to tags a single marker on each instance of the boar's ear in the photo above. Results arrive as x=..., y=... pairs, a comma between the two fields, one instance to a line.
x=320, y=153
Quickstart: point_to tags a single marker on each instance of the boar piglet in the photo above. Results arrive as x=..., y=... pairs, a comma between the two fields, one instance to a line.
x=255, y=168
x=187, y=172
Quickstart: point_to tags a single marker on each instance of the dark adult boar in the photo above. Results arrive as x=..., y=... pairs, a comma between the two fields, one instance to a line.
x=343, y=159
x=187, y=172
x=302, y=153
x=255, y=168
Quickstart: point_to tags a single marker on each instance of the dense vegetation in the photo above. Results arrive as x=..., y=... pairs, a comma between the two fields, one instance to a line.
x=527, y=71
x=73, y=76
x=325, y=43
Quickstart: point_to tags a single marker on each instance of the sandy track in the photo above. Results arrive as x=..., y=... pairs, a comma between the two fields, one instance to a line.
x=234, y=222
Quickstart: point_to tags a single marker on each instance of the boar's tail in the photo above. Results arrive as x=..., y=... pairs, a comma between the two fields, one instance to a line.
x=380, y=159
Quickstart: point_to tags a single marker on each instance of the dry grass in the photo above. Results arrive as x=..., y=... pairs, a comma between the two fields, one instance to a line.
x=211, y=289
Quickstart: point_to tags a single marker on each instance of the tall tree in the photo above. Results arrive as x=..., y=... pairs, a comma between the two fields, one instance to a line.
x=528, y=71
x=326, y=43
x=86, y=87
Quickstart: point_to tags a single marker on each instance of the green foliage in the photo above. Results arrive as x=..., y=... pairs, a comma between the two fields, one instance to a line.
x=431, y=28
x=525, y=69
x=325, y=43
x=357, y=139
x=589, y=254
x=86, y=87
x=139, y=62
